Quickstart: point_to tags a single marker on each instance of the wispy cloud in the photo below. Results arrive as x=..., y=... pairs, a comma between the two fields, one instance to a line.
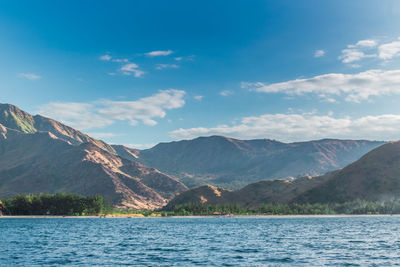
x=186, y=58
x=159, y=53
x=30, y=76
x=120, y=60
x=354, y=87
x=300, y=127
x=226, y=92
x=132, y=68
x=166, y=66
x=105, y=57
x=102, y=113
x=110, y=58
x=319, y=53
x=198, y=97
x=140, y=146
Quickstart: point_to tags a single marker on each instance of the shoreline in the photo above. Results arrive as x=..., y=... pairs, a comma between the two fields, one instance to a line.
x=134, y=216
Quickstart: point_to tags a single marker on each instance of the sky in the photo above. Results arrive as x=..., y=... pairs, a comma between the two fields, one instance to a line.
x=142, y=72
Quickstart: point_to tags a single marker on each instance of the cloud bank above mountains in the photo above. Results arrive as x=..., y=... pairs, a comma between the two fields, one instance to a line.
x=301, y=127
x=102, y=113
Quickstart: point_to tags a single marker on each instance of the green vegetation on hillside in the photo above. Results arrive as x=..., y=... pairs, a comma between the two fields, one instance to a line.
x=352, y=207
x=58, y=204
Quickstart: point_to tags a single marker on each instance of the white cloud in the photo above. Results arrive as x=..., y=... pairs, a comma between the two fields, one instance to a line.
x=110, y=58
x=159, y=53
x=358, y=51
x=319, y=53
x=186, y=58
x=166, y=66
x=105, y=58
x=129, y=67
x=226, y=93
x=355, y=87
x=353, y=54
x=367, y=43
x=29, y=76
x=370, y=49
x=81, y=116
x=103, y=113
x=301, y=127
x=120, y=60
x=198, y=97
x=140, y=146
x=132, y=68
x=389, y=50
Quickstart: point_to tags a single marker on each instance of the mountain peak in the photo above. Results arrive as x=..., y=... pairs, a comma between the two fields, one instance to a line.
x=14, y=118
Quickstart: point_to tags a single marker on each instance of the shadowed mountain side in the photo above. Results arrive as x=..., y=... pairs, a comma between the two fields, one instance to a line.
x=233, y=163
x=40, y=162
x=376, y=176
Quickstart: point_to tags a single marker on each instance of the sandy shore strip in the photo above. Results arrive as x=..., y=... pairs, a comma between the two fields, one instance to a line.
x=198, y=217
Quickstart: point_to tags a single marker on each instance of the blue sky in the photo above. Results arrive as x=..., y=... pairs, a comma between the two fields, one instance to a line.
x=143, y=72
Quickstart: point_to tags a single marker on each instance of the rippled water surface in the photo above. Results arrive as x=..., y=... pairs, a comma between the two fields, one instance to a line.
x=363, y=241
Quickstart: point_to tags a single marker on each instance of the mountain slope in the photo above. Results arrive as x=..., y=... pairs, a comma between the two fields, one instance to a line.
x=40, y=162
x=14, y=118
x=233, y=163
x=38, y=154
x=376, y=176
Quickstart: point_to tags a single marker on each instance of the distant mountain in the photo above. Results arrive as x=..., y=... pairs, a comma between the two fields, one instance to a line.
x=233, y=163
x=374, y=177
x=252, y=195
x=38, y=154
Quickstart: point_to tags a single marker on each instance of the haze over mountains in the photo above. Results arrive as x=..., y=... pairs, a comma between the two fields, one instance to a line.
x=38, y=154
x=233, y=163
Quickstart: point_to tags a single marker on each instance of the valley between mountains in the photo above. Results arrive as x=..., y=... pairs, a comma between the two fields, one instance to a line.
x=41, y=155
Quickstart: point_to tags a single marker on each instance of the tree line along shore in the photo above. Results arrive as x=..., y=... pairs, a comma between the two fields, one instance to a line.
x=66, y=204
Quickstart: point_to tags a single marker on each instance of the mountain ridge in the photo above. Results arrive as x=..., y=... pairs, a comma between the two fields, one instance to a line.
x=233, y=163
x=374, y=177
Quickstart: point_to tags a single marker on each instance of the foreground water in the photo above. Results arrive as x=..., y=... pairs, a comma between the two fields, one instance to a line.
x=201, y=241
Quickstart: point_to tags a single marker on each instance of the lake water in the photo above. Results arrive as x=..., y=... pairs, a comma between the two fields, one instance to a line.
x=363, y=241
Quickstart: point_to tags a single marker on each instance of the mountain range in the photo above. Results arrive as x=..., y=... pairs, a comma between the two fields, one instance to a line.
x=39, y=154
x=374, y=177
x=232, y=163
